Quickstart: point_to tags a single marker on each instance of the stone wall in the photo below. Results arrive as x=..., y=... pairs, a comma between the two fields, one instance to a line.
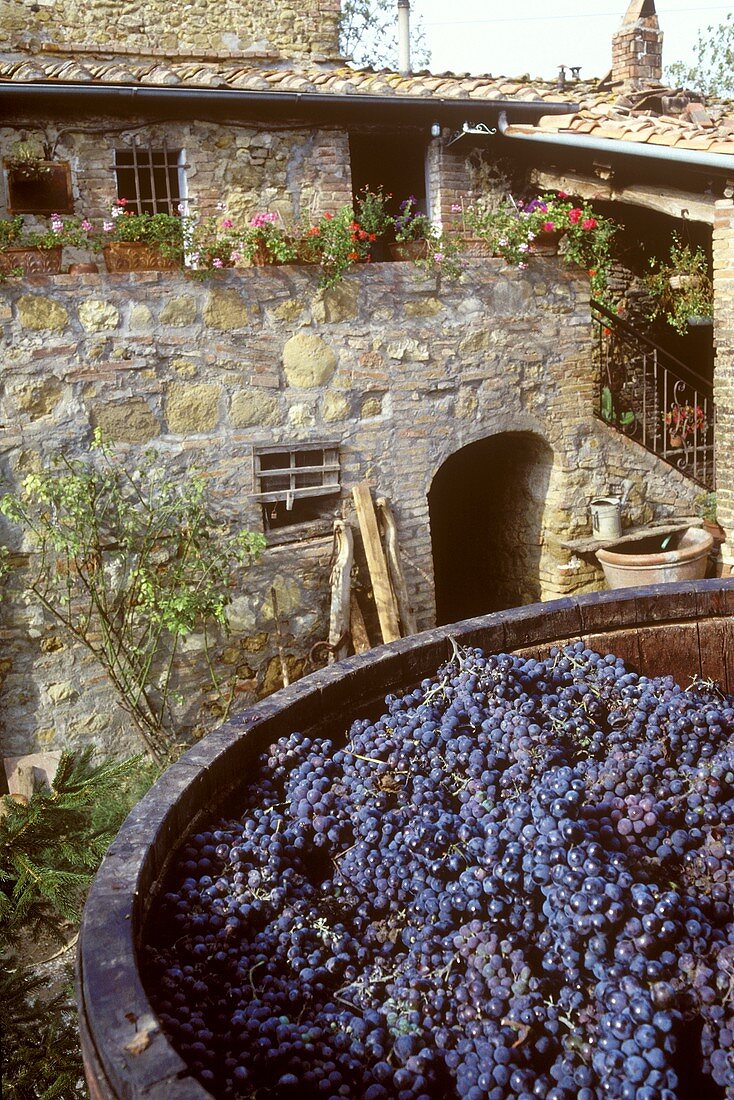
x=403, y=371
x=297, y=170
x=229, y=28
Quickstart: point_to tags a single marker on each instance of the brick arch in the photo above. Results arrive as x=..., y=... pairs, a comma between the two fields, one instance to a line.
x=486, y=505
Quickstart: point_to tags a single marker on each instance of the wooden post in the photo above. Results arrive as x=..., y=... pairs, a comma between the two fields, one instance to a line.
x=397, y=578
x=360, y=637
x=341, y=575
x=387, y=611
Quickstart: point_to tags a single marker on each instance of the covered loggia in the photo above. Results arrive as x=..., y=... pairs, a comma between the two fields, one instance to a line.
x=486, y=507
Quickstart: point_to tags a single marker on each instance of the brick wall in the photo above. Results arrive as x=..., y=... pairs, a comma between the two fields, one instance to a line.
x=297, y=170
x=637, y=49
x=228, y=28
x=402, y=370
x=724, y=371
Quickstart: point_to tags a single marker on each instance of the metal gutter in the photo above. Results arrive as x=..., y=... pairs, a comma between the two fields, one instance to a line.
x=721, y=162
x=128, y=99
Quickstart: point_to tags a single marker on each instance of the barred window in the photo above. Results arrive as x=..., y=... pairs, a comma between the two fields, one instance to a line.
x=152, y=180
x=293, y=484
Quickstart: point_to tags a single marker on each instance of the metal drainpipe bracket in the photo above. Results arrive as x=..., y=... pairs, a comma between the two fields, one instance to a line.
x=480, y=128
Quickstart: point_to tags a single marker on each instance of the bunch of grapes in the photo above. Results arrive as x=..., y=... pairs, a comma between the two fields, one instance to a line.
x=516, y=884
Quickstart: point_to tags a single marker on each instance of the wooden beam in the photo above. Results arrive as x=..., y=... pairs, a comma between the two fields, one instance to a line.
x=397, y=579
x=664, y=200
x=387, y=611
x=341, y=579
x=360, y=638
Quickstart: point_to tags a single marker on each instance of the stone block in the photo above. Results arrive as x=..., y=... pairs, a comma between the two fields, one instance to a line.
x=408, y=349
x=192, y=409
x=422, y=307
x=336, y=303
x=225, y=310
x=179, y=312
x=308, y=360
x=38, y=399
x=98, y=316
x=335, y=407
x=254, y=407
x=41, y=314
x=130, y=421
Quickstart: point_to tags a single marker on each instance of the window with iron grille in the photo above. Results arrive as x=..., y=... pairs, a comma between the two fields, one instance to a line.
x=152, y=180
x=294, y=484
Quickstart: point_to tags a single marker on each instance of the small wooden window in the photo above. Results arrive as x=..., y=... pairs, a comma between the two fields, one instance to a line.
x=292, y=482
x=152, y=180
x=39, y=187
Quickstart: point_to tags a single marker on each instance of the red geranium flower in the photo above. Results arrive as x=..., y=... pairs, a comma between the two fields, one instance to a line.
x=574, y=215
x=589, y=223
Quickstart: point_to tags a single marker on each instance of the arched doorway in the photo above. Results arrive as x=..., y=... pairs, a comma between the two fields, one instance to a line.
x=486, y=508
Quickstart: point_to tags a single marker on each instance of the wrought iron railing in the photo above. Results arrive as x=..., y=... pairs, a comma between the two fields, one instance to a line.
x=654, y=398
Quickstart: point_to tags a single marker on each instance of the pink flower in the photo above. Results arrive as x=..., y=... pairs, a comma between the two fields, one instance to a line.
x=227, y=223
x=455, y=208
x=108, y=226
x=574, y=215
x=549, y=227
x=265, y=218
x=87, y=226
x=524, y=247
x=438, y=257
x=563, y=194
x=235, y=257
x=216, y=262
x=589, y=223
x=521, y=266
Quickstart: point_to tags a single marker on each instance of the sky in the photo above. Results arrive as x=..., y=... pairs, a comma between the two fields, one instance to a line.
x=481, y=36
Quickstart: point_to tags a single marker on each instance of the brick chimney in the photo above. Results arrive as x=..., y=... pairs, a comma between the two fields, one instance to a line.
x=637, y=47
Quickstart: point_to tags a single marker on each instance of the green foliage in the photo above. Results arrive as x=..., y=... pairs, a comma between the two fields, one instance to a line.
x=11, y=231
x=681, y=286
x=706, y=505
x=371, y=211
x=41, y=1059
x=713, y=70
x=51, y=847
x=368, y=34
x=130, y=563
x=166, y=231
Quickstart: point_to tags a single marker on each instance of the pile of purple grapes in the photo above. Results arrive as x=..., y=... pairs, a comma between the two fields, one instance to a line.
x=516, y=884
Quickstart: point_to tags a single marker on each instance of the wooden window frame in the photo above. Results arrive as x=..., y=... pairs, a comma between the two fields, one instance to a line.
x=61, y=202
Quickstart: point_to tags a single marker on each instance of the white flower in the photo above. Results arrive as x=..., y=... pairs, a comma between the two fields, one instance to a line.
x=524, y=248
x=116, y=211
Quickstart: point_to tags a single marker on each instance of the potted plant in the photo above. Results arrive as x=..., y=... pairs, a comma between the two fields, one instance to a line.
x=706, y=504
x=264, y=241
x=38, y=252
x=142, y=242
x=413, y=232
x=681, y=287
x=374, y=220
x=335, y=243
x=683, y=421
x=481, y=226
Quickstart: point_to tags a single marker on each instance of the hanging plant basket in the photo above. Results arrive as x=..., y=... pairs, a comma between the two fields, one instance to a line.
x=126, y=256
x=30, y=261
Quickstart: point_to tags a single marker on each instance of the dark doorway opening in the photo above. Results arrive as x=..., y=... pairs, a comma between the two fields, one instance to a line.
x=486, y=508
x=396, y=162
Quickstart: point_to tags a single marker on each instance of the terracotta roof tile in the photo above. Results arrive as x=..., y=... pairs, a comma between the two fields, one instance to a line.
x=604, y=113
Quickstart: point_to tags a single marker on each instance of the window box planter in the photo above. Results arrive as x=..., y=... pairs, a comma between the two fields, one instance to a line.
x=30, y=261
x=126, y=256
x=546, y=242
x=475, y=247
x=409, y=250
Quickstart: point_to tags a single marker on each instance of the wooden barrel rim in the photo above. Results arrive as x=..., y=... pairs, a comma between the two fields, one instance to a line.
x=125, y=1053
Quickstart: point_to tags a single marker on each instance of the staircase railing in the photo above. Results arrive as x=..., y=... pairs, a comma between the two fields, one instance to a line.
x=654, y=398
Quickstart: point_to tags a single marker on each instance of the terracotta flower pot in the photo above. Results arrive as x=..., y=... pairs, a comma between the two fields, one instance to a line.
x=546, y=242
x=409, y=250
x=83, y=269
x=475, y=247
x=126, y=256
x=675, y=441
x=31, y=261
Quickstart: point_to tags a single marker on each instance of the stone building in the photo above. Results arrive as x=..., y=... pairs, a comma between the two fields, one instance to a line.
x=472, y=405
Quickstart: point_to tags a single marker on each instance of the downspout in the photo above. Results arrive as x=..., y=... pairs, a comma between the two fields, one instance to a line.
x=723, y=162
x=404, y=37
